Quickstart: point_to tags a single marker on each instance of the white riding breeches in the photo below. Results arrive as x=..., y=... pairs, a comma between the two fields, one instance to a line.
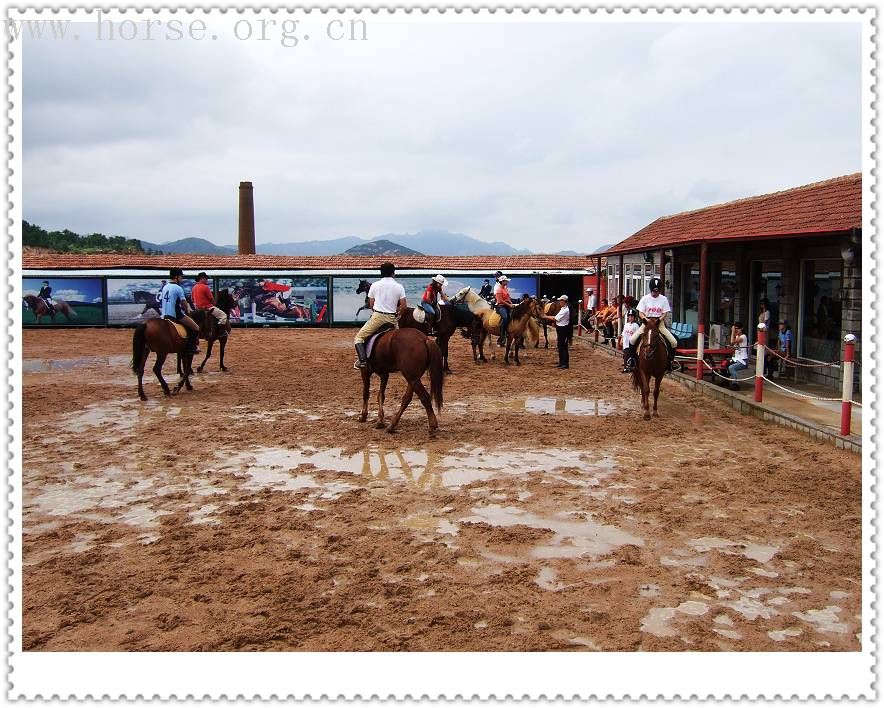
x=662, y=327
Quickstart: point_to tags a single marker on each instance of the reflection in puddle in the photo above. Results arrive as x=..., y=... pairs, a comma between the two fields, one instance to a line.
x=548, y=406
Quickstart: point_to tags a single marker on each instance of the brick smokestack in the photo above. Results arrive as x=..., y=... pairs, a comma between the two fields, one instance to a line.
x=246, y=218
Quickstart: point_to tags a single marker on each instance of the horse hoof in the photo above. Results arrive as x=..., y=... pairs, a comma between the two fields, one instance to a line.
x=391, y=430
x=199, y=369
x=379, y=425
x=223, y=368
x=647, y=416
x=143, y=398
x=656, y=415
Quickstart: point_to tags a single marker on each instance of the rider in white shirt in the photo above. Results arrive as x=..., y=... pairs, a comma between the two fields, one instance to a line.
x=630, y=328
x=655, y=304
x=386, y=297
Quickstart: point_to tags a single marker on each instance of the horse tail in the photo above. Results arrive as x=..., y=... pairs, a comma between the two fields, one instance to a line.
x=436, y=377
x=139, y=341
x=637, y=375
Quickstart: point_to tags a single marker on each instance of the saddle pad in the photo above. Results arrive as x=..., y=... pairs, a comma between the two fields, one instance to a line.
x=369, y=345
x=419, y=314
x=182, y=332
x=494, y=320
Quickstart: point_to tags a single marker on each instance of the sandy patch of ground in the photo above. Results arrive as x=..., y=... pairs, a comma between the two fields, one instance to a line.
x=256, y=513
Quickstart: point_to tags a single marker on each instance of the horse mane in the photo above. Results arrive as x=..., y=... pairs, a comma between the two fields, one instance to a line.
x=522, y=307
x=225, y=301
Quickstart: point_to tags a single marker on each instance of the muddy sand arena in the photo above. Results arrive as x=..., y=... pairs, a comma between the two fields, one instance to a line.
x=257, y=513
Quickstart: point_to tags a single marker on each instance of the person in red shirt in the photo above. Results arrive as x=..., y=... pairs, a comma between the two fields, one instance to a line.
x=503, y=306
x=204, y=300
x=430, y=300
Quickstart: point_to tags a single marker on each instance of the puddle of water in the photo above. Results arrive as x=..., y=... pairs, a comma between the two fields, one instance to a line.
x=764, y=573
x=826, y=620
x=729, y=633
x=203, y=515
x=566, y=636
x=546, y=579
x=751, y=609
x=759, y=553
x=650, y=590
x=656, y=622
x=113, y=414
x=552, y=406
x=37, y=365
x=781, y=635
x=571, y=538
x=723, y=619
x=692, y=607
x=839, y=595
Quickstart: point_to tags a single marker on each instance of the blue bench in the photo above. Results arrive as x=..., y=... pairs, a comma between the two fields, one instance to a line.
x=682, y=331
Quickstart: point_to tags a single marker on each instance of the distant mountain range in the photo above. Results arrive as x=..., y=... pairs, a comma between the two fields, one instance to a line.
x=430, y=243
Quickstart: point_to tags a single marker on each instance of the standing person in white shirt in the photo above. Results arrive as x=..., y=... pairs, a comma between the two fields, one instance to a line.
x=655, y=304
x=563, y=330
x=386, y=298
x=630, y=328
x=740, y=343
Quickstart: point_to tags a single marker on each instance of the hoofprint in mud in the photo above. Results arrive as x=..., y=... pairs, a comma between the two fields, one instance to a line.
x=257, y=513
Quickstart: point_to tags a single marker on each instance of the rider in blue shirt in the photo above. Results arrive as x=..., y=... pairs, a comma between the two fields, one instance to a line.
x=175, y=307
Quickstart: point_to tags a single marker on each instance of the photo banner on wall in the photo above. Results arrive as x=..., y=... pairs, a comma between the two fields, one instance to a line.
x=134, y=300
x=350, y=295
x=282, y=301
x=74, y=301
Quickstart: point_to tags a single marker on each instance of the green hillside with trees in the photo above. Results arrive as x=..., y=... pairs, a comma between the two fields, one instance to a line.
x=69, y=242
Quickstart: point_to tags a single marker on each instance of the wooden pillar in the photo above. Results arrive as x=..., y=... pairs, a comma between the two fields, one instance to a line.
x=703, y=305
x=620, y=279
x=662, y=258
x=598, y=283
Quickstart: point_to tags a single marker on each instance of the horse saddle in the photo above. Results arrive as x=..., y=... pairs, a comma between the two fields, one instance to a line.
x=419, y=314
x=179, y=329
x=494, y=319
x=372, y=340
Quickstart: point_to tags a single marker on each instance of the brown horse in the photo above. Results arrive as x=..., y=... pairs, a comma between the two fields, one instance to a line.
x=411, y=353
x=40, y=309
x=653, y=362
x=521, y=325
x=453, y=317
x=211, y=331
x=160, y=336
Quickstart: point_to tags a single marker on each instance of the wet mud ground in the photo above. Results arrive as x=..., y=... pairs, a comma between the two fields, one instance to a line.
x=256, y=513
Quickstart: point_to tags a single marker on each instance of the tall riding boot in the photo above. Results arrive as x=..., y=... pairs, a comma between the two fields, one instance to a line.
x=671, y=351
x=362, y=362
x=192, y=339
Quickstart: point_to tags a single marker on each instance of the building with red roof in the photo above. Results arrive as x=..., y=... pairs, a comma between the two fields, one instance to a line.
x=797, y=250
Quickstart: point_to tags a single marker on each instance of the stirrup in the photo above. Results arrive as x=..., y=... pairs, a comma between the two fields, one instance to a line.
x=359, y=364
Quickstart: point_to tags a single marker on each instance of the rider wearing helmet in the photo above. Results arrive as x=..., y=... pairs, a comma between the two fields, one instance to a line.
x=175, y=307
x=655, y=304
x=630, y=328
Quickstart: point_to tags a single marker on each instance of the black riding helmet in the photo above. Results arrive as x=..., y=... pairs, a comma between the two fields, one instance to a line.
x=175, y=272
x=655, y=284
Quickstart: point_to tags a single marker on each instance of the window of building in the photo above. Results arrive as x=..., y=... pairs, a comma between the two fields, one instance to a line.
x=820, y=325
x=724, y=292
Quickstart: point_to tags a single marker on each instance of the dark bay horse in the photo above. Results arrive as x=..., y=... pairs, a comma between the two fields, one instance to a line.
x=149, y=300
x=653, y=362
x=363, y=287
x=40, y=309
x=453, y=317
x=411, y=353
x=160, y=336
x=211, y=331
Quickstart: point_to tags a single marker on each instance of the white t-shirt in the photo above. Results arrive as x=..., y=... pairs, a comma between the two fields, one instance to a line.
x=741, y=352
x=563, y=317
x=764, y=318
x=590, y=303
x=386, y=293
x=651, y=306
x=629, y=329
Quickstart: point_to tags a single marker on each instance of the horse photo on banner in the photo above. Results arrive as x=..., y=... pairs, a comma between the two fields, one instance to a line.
x=283, y=301
x=75, y=301
x=134, y=300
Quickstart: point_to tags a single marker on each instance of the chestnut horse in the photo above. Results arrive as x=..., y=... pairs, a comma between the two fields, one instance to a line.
x=211, y=331
x=653, y=362
x=40, y=309
x=521, y=325
x=160, y=336
x=411, y=353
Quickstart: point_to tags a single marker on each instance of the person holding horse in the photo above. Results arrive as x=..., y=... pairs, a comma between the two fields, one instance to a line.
x=503, y=305
x=562, y=321
x=432, y=298
x=386, y=298
x=630, y=328
x=175, y=307
x=46, y=294
x=656, y=305
x=204, y=302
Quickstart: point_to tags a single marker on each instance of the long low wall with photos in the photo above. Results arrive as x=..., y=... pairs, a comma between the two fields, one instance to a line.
x=278, y=300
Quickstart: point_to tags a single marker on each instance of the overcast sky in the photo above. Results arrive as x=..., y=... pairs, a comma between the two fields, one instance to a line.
x=548, y=137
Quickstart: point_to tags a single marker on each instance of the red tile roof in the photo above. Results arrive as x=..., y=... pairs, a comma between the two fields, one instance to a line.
x=819, y=208
x=194, y=262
